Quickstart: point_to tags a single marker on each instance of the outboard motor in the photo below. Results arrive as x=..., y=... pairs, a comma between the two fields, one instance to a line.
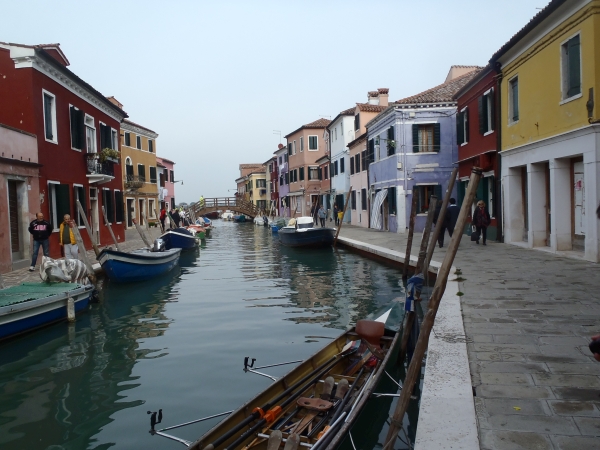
x=159, y=245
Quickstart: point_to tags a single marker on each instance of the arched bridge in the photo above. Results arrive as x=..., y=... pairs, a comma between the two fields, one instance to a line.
x=233, y=204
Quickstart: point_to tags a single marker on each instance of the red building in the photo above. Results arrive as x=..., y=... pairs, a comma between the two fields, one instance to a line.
x=478, y=142
x=74, y=125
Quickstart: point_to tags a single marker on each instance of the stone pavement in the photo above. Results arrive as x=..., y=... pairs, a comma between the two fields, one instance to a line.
x=132, y=241
x=528, y=316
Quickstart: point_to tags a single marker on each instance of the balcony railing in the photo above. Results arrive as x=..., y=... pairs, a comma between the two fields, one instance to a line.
x=134, y=181
x=94, y=166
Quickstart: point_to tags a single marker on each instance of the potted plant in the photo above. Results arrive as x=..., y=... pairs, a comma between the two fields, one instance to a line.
x=108, y=154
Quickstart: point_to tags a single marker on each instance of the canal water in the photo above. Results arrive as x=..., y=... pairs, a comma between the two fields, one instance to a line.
x=178, y=343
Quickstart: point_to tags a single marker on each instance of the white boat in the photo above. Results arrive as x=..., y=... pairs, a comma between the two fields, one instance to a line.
x=227, y=215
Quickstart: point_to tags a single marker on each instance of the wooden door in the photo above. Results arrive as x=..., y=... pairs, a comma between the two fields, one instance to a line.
x=13, y=214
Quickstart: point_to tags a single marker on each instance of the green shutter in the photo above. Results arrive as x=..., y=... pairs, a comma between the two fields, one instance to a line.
x=460, y=135
x=73, y=122
x=302, y=174
x=482, y=114
x=48, y=117
x=63, y=201
x=490, y=99
x=415, y=138
x=438, y=193
x=515, y=99
x=436, y=136
x=574, y=55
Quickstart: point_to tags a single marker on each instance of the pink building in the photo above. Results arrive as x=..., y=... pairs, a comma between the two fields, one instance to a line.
x=166, y=174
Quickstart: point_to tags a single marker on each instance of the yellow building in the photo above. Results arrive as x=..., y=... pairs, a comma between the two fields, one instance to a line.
x=550, y=129
x=140, y=180
x=256, y=187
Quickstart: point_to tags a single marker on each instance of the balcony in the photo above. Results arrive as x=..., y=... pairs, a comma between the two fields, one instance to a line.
x=134, y=182
x=97, y=172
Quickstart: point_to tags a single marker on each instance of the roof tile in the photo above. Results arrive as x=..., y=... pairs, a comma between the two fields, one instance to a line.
x=442, y=93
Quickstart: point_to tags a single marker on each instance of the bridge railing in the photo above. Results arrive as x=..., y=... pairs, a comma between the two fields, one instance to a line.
x=232, y=203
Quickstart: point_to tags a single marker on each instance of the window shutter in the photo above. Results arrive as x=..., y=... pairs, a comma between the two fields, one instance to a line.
x=151, y=146
x=492, y=103
x=302, y=174
x=436, y=141
x=515, y=99
x=73, y=121
x=128, y=139
x=102, y=137
x=436, y=136
x=438, y=193
x=415, y=137
x=336, y=167
x=342, y=164
x=153, y=174
x=63, y=202
x=574, y=56
x=320, y=173
x=371, y=152
x=460, y=136
x=81, y=129
x=142, y=172
x=352, y=165
x=48, y=116
x=482, y=113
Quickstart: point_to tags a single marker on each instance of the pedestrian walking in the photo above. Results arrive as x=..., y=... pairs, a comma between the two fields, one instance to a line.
x=336, y=210
x=322, y=215
x=41, y=231
x=66, y=238
x=481, y=220
x=163, y=216
x=176, y=217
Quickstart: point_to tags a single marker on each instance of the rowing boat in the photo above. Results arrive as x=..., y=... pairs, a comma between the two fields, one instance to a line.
x=316, y=403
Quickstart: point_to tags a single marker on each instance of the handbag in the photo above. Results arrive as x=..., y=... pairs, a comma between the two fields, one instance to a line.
x=474, y=234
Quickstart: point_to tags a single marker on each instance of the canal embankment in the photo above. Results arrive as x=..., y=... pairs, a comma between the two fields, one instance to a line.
x=524, y=320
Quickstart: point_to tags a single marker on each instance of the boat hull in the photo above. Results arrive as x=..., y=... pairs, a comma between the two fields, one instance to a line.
x=31, y=314
x=306, y=237
x=138, y=265
x=179, y=238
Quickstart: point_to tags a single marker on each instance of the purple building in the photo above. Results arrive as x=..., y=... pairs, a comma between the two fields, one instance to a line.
x=412, y=149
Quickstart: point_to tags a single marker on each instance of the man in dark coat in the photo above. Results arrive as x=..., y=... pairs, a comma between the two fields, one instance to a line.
x=41, y=231
x=448, y=221
x=176, y=217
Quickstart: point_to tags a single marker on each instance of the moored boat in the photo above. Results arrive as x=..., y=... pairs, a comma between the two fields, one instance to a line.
x=227, y=215
x=138, y=265
x=32, y=305
x=301, y=232
x=212, y=215
x=197, y=230
x=241, y=218
x=316, y=403
x=179, y=238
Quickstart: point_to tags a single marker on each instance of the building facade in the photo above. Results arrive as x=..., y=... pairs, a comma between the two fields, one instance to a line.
x=140, y=173
x=284, y=180
x=477, y=138
x=411, y=148
x=166, y=182
x=304, y=147
x=339, y=133
x=77, y=131
x=551, y=130
x=272, y=176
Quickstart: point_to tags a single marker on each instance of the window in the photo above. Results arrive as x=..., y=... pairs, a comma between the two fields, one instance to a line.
x=313, y=173
x=287, y=178
x=571, y=67
x=357, y=163
x=59, y=203
x=363, y=199
x=166, y=172
x=280, y=180
x=424, y=194
x=302, y=174
x=161, y=178
x=285, y=157
x=313, y=143
x=426, y=138
x=119, y=207
x=150, y=145
x=391, y=197
x=335, y=168
x=115, y=142
x=142, y=172
x=486, y=112
x=513, y=100
x=108, y=203
x=151, y=208
x=77, y=118
x=342, y=164
x=356, y=122
x=353, y=200
x=352, y=165
x=370, y=153
x=280, y=161
x=106, y=137
x=326, y=173
x=301, y=143
x=172, y=176
x=289, y=149
x=261, y=183
x=293, y=147
x=391, y=141
x=128, y=139
x=152, y=174
x=90, y=134
x=462, y=126
x=49, y=116
x=363, y=159
x=79, y=195
x=138, y=142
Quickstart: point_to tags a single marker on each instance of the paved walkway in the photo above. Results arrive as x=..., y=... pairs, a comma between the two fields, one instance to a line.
x=528, y=316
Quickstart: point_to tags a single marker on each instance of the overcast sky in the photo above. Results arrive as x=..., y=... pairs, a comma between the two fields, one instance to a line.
x=214, y=79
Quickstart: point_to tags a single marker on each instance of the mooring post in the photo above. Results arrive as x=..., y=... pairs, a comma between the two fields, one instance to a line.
x=440, y=222
x=84, y=256
x=411, y=230
x=410, y=315
x=343, y=214
x=107, y=223
x=87, y=227
x=414, y=369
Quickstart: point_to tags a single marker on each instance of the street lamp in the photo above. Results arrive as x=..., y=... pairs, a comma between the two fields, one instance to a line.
x=178, y=181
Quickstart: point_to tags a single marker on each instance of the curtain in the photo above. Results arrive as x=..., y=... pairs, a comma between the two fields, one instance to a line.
x=376, y=221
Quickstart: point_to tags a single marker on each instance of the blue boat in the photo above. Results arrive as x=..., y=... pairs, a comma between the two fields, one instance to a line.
x=301, y=233
x=32, y=305
x=239, y=218
x=179, y=238
x=138, y=265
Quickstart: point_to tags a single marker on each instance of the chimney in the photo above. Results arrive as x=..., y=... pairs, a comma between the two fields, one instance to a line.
x=280, y=146
x=115, y=102
x=373, y=98
x=383, y=96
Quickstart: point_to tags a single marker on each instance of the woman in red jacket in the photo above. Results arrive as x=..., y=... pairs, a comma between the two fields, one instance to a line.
x=481, y=220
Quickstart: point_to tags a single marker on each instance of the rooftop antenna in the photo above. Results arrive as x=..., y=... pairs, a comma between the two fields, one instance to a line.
x=279, y=133
x=325, y=117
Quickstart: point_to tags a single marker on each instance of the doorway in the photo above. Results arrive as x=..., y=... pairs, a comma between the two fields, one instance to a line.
x=130, y=212
x=13, y=215
x=578, y=212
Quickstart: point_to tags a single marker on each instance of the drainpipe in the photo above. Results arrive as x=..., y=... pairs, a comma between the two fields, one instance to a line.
x=499, y=211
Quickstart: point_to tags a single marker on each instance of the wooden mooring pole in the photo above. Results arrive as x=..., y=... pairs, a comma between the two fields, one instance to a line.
x=411, y=230
x=440, y=222
x=410, y=315
x=107, y=223
x=343, y=214
x=87, y=228
x=414, y=369
x=83, y=253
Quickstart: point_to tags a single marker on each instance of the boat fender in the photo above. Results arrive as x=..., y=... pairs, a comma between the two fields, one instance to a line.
x=272, y=414
x=71, y=309
x=260, y=412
